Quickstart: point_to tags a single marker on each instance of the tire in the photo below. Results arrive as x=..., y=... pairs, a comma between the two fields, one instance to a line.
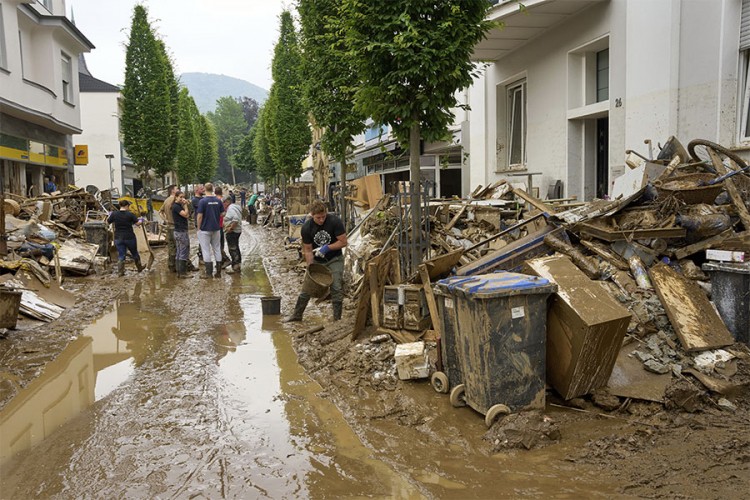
x=457, y=396
x=720, y=150
x=439, y=381
x=494, y=412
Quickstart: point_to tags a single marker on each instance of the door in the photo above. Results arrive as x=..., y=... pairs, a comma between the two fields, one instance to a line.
x=602, y=157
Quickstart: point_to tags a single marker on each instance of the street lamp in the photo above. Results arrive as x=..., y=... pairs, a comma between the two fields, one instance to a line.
x=111, y=172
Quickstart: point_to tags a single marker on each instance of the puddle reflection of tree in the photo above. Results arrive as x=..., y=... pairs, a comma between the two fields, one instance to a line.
x=142, y=332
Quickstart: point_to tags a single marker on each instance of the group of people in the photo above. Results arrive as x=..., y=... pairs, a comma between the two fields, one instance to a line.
x=218, y=217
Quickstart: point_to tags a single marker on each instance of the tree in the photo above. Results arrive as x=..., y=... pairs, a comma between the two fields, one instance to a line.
x=250, y=109
x=170, y=150
x=147, y=99
x=288, y=131
x=330, y=81
x=243, y=157
x=261, y=152
x=188, y=146
x=412, y=56
x=209, y=150
x=229, y=120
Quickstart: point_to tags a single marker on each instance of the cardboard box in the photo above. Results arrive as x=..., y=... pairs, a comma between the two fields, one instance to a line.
x=585, y=328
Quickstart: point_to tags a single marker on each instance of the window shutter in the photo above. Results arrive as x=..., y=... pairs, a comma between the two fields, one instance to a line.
x=745, y=26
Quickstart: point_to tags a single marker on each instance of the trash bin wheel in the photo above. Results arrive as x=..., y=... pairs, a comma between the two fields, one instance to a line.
x=439, y=381
x=494, y=412
x=457, y=396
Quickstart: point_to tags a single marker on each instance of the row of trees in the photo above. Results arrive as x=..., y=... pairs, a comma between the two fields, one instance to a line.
x=162, y=128
x=399, y=63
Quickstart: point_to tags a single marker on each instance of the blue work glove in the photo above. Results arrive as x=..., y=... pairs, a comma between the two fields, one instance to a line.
x=322, y=251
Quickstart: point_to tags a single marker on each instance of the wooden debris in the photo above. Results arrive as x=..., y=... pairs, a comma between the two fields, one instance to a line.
x=694, y=319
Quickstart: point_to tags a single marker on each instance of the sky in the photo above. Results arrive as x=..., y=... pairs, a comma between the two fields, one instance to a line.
x=227, y=37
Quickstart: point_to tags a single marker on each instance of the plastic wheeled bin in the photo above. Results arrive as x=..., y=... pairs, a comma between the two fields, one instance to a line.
x=451, y=375
x=730, y=291
x=500, y=337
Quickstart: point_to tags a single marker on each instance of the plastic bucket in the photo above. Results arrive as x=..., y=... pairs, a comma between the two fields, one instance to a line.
x=318, y=279
x=270, y=305
x=10, y=303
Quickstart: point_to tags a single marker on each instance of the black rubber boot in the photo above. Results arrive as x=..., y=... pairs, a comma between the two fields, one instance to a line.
x=138, y=265
x=218, y=271
x=209, y=270
x=120, y=268
x=181, y=266
x=299, y=310
x=337, y=309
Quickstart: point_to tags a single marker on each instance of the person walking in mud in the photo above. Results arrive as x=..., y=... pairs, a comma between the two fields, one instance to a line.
x=233, y=231
x=124, y=220
x=225, y=260
x=180, y=213
x=210, y=209
x=165, y=213
x=323, y=238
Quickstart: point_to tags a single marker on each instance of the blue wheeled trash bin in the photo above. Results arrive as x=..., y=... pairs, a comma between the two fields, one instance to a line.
x=499, y=340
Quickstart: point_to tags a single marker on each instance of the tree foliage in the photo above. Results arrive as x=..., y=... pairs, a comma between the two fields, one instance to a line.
x=148, y=99
x=209, y=150
x=412, y=56
x=261, y=151
x=287, y=129
x=330, y=81
x=189, y=141
x=230, y=124
x=170, y=150
x=250, y=109
x=244, y=158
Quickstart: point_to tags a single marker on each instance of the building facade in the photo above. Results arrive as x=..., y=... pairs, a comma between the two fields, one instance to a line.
x=39, y=99
x=568, y=86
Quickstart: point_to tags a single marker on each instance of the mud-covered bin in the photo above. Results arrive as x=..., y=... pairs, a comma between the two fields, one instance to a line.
x=448, y=349
x=97, y=233
x=500, y=333
x=10, y=304
x=730, y=292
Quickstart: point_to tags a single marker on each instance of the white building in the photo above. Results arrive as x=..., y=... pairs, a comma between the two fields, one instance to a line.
x=39, y=100
x=572, y=84
x=100, y=120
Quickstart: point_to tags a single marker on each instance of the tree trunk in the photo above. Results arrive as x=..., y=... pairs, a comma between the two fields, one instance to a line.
x=416, y=208
x=234, y=179
x=343, y=192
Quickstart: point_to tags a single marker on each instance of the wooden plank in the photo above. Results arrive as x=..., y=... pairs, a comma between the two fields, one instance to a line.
x=373, y=188
x=533, y=201
x=606, y=254
x=611, y=235
x=703, y=245
x=77, y=256
x=455, y=218
x=362, y=306
x=437, y=325
x=731, y=188
x=694, y=319
x=374, y=287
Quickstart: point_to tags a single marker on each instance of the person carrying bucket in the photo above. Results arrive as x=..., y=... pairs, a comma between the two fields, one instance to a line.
x=323, y=238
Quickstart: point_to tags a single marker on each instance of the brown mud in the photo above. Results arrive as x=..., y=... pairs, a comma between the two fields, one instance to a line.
x=202, y=396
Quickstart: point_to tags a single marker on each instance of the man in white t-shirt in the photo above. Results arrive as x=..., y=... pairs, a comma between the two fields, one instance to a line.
x=233, y=231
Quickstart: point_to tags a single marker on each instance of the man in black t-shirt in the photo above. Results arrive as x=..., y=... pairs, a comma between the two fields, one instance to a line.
x=125, y=241
x=323, y=238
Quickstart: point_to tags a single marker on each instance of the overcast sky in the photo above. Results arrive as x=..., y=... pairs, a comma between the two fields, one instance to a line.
x=228, y=37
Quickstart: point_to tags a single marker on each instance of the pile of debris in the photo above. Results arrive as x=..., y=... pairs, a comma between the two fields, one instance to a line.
x=653, y=285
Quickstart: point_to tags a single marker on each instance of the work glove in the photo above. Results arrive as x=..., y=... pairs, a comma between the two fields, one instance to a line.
x=322, y=251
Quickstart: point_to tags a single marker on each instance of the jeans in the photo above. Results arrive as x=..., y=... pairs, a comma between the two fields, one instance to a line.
x=171, y=246
x=123, y=246
x=336, y=265
x=210, y=242
x=233, y=242
x=182, y=244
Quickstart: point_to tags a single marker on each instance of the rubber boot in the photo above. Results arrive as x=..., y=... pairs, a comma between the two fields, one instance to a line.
x=337, y=309
x=209, y=270
x=120, y=268
x=181, y=266
x=299, y=310
x=138, y=265
x=218, y=271
x=226, y=261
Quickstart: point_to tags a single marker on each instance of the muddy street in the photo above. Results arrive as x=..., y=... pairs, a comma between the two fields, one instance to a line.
x=195, y=394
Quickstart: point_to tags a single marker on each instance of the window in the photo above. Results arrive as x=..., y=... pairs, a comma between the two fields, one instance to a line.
x=517, y=123
x=602, y=75
x=3, y=53
x=374, y=131
x=744, y=118
x=47, y=5
x=67, y=78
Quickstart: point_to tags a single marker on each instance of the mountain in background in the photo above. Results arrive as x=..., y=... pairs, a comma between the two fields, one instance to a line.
x=206, y=88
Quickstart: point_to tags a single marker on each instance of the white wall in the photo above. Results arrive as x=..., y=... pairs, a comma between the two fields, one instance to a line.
x=100, y=123
x=673, y=71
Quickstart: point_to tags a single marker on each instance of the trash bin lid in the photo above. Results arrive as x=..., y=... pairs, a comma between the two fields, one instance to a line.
x=500, y=284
